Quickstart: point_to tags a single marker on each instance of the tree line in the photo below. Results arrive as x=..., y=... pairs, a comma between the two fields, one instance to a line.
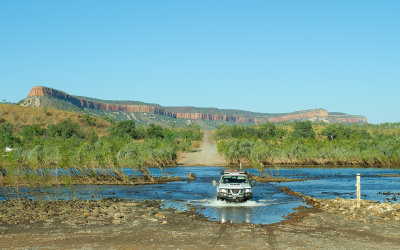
x=37, y=151
x=306, y=143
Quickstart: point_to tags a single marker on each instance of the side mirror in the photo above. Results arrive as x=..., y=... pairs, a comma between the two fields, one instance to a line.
x=214, y=183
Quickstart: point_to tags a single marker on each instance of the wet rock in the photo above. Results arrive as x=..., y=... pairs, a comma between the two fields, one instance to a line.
x=191, y=176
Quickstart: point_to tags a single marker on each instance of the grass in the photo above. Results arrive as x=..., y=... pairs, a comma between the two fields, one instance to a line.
x=327, y=145
x=53, y=147
x=21, y=116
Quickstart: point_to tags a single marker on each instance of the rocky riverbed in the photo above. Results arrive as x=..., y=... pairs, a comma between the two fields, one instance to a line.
x=367, y=211
x=115, y=223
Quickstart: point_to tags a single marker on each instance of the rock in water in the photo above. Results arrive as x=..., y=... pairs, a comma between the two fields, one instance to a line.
x=191, y=177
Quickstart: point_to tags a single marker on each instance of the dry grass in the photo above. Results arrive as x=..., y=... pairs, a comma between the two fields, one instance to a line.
x=47, y=181
x=21, y=116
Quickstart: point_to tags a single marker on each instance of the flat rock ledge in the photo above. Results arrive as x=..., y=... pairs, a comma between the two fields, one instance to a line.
x=26, y=213
x=367, y=210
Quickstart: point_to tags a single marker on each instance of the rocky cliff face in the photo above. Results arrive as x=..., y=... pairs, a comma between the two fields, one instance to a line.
x=348, y=119
x=316, y=114
x=81, y=103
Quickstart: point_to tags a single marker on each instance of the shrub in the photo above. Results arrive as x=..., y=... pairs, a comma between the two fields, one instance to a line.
x=65, y=129
x=303, y=129
x=125, y=129
x=7, y=138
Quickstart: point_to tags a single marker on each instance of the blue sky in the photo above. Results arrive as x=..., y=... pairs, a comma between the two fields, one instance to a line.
x=261, y=56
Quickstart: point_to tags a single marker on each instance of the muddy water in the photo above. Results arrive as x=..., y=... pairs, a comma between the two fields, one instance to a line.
x=269, y=204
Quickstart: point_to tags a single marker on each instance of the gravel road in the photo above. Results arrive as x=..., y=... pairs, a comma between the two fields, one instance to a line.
x=206, y=155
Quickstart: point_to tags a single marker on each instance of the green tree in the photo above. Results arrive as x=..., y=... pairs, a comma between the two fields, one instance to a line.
x=231, y=150
x=341, y=132
x=235, y=150
x=259, y=153
x=125, y=129
x=7, y=138
x=245, y=147
x=267, y=131
x=303, y=130
x=31, y=131
x=155, y=131
x=65, y=129
x=333, y=131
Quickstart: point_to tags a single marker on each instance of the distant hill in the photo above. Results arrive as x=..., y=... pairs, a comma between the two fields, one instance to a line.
x=146, y=113
x=22, y=116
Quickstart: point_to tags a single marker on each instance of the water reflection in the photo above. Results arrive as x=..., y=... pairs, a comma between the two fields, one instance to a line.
x=234, y=215
x=230, y=211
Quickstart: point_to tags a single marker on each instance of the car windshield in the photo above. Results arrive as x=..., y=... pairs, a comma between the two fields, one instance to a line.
x=234, y=179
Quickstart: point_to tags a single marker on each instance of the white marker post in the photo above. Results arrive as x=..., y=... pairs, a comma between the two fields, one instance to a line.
x=358, y=185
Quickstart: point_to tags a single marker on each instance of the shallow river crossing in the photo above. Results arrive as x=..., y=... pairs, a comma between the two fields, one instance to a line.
x=269, y=203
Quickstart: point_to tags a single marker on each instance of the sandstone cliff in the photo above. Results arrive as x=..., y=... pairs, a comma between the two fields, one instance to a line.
x=212, y=115
x=319, y=113
x=348, y=119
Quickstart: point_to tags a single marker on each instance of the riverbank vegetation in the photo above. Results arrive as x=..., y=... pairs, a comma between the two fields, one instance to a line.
x=306, y=143
x=69, y=152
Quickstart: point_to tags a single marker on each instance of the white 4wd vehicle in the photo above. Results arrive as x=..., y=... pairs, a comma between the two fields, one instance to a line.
x=234, y=185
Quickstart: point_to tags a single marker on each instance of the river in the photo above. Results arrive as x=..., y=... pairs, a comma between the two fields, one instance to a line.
x=269, y=203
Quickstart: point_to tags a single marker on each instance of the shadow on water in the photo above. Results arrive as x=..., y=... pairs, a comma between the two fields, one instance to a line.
x=269, y=203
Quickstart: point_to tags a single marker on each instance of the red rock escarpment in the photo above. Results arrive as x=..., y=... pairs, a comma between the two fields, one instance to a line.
x=217, y=117
x=300, y=115
x=82, y=103
x=355, y=119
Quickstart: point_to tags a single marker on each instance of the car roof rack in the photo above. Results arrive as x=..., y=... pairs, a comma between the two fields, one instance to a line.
x=233, y=171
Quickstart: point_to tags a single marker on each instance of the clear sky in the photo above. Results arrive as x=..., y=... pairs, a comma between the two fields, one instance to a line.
x=261, y=56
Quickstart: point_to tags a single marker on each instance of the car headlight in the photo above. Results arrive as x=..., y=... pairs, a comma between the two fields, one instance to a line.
x=223, y=190
x=247, y=190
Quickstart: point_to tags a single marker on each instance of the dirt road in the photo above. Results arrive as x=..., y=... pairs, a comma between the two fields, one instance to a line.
x=206, y=155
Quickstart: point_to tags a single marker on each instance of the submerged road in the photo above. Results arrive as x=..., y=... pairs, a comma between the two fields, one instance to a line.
x=206, y=155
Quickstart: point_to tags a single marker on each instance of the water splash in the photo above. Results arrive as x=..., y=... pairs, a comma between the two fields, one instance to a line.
x=221, y=204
